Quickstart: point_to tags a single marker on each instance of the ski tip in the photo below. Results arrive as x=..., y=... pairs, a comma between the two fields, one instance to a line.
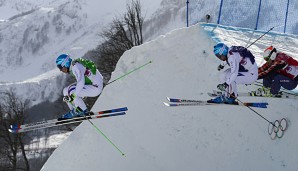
x=167, y=104
x=259, y=105
x=116, y=114
x=109, y=115
x=263, y=106
x=122, y=109
x=212, y=94
x=12, y=131
x=122, y=113
x=173, y=100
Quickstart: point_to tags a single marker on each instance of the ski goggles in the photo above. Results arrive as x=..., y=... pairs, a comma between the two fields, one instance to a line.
x=266, y=58
x=60, y=67
x=220, y=56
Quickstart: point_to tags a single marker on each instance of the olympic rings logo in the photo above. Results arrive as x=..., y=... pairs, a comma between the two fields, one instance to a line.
x=277, y=128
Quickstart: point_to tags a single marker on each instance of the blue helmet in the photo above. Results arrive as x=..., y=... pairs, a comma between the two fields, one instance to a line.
x=221, y=49
x=63, y=61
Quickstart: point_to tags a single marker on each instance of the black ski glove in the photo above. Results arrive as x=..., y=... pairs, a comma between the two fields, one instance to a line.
x=223, y=86
x=220, y=67
x=69, y=98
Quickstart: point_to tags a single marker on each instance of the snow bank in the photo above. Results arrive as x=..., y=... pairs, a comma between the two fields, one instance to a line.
x=156, y=137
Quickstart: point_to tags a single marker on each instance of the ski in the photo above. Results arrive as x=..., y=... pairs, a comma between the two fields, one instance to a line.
x=56, y=122
x=204, y=103
x=122, y=109
x=187, y=102
x=182, y=100
x=254, y=94
x=64, y=122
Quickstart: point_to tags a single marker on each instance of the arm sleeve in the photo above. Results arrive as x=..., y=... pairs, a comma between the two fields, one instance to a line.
x=292, y=61
x=263, y=67
x=234, y=65
x=78, y=72
x=266, y=69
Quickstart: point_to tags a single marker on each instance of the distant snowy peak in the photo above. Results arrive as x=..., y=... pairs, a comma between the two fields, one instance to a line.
x=10, y=8
x=31, y=38
x=170, y=15
x=33, y=35
x=34, y=32
x=44, y=25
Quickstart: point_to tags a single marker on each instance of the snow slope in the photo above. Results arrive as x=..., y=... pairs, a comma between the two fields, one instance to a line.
x=159, y=138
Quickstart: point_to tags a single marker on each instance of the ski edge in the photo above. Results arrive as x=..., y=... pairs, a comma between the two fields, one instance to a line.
x=64, y=122
x=250, y=94
x=33, y=124
x=186, y=102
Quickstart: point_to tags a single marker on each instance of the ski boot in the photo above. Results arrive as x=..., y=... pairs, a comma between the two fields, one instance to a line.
x=279, y=94
x=83, y=113
x=73, y=114
x=262, y=91
x=223, y=99
x=69, y=115
x=87, y=113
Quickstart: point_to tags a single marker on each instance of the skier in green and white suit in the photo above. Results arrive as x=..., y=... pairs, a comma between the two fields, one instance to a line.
x=89, y=84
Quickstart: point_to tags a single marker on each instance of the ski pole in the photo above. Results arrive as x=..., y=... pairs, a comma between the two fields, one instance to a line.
x=99, y=130
x=129, y=72
x=252, y=109
x=260, y=37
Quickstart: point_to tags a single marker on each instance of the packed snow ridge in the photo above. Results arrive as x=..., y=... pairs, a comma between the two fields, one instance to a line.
x=156, y=137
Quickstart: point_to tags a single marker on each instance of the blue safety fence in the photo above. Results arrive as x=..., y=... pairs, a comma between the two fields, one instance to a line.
x=254, y=14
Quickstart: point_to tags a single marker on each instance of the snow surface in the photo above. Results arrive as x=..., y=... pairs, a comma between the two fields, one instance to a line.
x=159, y=138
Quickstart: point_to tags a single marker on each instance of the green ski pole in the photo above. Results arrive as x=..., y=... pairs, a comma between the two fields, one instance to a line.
x=129, y=72
x=99, y=131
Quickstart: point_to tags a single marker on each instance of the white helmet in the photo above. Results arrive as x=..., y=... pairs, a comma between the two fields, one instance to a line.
x=270, y=53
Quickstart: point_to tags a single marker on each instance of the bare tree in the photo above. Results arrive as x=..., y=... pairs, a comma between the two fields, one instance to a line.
x=134, y=22
x=122, y=34
x=12, y=110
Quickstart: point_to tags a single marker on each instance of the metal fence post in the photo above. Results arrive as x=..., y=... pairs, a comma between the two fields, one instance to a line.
x=260, y=4
x=187, y=2
x=218, y=20
x=286, y=17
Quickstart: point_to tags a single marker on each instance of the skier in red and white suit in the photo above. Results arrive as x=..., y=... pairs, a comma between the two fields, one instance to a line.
x=280, y=70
